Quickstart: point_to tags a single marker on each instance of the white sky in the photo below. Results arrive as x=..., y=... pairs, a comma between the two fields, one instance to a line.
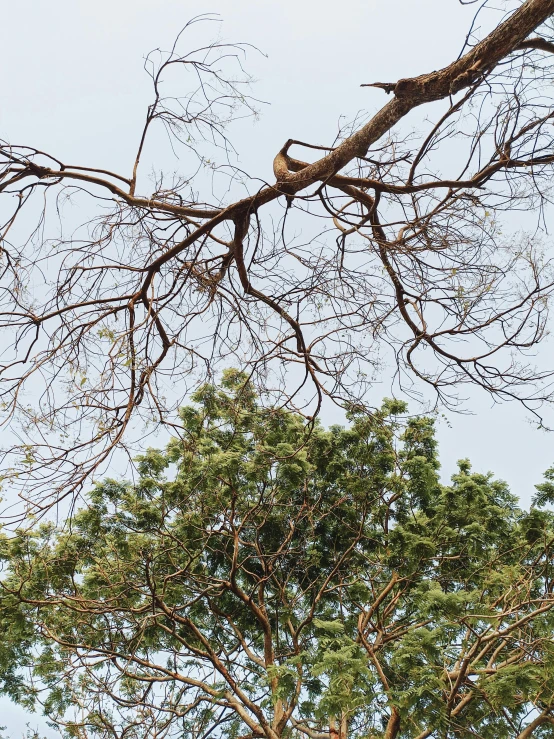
x=72, y=83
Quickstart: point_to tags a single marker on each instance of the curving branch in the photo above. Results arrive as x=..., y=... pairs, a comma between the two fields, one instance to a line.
x=120, y=319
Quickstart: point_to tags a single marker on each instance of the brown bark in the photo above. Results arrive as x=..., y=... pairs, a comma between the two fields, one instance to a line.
x=182, y=278
x=393, y=724
x=414, y=91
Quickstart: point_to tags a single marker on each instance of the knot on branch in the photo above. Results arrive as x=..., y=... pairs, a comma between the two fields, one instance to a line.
x=38, y=171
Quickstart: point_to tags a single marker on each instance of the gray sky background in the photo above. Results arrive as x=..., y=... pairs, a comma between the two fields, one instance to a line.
x=72, y=83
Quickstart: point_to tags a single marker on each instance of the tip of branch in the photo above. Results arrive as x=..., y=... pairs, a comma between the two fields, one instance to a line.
x=388, y=87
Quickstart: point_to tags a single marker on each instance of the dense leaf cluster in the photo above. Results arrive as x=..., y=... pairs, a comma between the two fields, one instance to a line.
x=258, y=581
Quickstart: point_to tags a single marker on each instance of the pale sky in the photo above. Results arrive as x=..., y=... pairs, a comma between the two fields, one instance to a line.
x=72, y=83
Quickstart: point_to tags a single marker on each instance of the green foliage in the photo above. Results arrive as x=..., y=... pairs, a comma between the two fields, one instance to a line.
x=545, y=491
x=264, y=579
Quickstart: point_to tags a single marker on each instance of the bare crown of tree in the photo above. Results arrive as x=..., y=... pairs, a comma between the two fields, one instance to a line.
x=157, y=291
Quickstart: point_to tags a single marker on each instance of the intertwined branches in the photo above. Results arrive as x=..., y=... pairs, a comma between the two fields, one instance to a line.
x=341, y=593
x=124, y=313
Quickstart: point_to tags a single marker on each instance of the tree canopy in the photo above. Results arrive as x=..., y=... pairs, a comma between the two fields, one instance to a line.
x=240, y=588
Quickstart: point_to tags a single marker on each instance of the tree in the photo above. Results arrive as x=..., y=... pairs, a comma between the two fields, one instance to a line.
x=161, y=288
x=239, y=589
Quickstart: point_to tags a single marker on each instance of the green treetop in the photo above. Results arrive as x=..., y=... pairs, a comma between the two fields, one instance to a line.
x=256, y=581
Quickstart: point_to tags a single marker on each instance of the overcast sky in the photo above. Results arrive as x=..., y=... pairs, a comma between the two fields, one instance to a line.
x=72, y=83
